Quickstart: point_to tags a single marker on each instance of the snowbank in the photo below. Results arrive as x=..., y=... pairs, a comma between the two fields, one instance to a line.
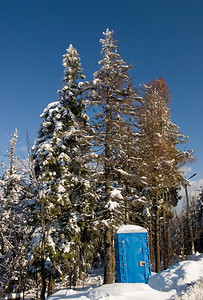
x=116, y=291
x=180, y=275
x=181, y=281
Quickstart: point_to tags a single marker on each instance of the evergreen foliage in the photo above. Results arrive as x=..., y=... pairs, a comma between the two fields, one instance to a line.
x=112, y=94
x=113, y=97
x=61, y=171
x=14, y=229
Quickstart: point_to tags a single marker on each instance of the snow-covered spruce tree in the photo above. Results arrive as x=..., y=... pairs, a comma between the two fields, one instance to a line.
x=61, y=177
x=159, y=157
x=14, y=229
x=111, y=96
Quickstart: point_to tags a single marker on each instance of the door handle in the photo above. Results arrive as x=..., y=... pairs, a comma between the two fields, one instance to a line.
x=142, y=263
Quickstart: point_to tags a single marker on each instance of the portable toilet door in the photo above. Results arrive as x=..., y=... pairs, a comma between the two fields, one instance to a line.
x=132, y=254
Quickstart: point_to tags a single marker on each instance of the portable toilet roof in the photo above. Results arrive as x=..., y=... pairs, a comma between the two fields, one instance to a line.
x=131, y=229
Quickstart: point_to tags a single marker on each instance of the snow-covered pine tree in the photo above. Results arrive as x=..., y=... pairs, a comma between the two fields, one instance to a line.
x=60, y=158
x=159, y=157
x=111, y=96
x=14, y=228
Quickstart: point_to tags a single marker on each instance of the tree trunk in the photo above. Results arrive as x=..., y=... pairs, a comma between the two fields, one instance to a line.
x=43, y=275
x=157, y=237
x=108, y=242
x=164, y=236
x=168, y=235
x=43, y=290
x=76, y=266
x=37, y=286
x=151, y=241
x=51, y=286
x=127, y=207
x=109, y=257
x=182, y=241
x=192, y=250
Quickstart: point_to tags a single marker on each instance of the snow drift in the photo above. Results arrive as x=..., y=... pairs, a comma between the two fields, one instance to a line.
x=183, y=280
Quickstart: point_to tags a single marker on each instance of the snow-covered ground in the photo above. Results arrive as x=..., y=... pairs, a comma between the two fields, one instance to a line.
x=183, y=280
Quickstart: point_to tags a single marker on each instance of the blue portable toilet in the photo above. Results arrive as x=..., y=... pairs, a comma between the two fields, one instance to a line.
x=132, y=254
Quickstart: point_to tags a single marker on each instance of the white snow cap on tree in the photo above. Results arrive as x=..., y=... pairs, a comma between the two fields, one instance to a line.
x=71, y=62
x=108, y=38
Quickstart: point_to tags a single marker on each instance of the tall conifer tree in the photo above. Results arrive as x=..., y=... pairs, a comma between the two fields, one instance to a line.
x=159, y=157
x=112, y=93
x=61, y=172
x=14, y=229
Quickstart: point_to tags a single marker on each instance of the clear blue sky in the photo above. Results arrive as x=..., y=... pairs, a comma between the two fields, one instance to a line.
x=162, y=38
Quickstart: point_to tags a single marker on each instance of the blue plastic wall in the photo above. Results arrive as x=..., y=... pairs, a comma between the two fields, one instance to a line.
x=132, y=257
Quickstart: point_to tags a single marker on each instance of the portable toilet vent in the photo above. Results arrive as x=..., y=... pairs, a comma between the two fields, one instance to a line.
x=132, y=254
